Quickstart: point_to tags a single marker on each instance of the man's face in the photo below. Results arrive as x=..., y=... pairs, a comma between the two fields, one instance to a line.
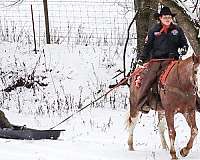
x=166, y=19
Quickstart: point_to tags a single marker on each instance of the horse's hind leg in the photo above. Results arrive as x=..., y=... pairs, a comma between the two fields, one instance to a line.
x=190, y=118
x=132, y=121
x=161, y=128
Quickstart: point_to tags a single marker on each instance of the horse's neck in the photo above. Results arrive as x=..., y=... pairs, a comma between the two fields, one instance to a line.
x=185, y=69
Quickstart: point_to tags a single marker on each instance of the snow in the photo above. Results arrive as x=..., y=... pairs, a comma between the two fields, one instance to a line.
x=75, y=72
x=96, y=134
x=77, y=75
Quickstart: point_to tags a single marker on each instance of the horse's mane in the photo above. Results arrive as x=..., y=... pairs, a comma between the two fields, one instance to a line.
x=187, y=59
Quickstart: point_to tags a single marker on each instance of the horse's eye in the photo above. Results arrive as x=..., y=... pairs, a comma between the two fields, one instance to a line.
x=195, y=72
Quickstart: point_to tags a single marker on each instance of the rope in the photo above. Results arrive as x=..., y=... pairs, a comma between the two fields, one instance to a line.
x=114, y=87
x=119, y=84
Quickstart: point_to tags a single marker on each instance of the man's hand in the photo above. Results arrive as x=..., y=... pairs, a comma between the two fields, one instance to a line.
x=139, y=63
x=183, y=50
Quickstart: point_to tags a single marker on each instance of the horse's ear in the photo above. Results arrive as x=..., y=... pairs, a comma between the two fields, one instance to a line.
x=195, y=58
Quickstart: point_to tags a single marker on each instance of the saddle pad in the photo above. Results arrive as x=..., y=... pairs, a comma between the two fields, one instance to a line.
x=139, y=70
x=165, y=74
x=136, y=74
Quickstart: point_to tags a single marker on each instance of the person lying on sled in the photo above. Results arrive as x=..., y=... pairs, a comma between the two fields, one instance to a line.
x=4, y=123
x=163, y=41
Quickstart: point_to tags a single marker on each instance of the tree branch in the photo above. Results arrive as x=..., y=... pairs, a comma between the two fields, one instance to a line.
x=195, y=6
x=14, y=3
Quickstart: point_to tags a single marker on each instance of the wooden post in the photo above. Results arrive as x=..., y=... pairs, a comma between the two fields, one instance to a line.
x=35, y=49
x=46, y=21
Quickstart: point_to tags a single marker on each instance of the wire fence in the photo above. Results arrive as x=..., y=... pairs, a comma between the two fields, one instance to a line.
x=74, y=22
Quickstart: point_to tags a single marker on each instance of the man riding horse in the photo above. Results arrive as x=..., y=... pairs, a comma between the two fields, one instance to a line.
x=162, y=44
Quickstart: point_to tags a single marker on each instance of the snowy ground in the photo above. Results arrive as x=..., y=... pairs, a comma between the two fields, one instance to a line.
x=76, y=75
x=96, y=134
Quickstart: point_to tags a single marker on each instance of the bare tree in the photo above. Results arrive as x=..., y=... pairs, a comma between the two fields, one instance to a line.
x=144, y=20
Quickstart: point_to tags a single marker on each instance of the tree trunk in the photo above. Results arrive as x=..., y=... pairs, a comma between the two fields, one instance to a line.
x=144, y=20
x=184, y=20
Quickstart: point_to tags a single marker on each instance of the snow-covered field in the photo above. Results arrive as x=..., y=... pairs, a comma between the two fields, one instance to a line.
x=76, y=75
x=96, y=133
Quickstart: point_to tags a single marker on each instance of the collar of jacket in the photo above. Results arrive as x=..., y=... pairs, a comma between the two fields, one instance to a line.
x=171, y=27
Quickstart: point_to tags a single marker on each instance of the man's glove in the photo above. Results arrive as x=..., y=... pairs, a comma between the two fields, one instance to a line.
x=183, y=50
x=139, y=63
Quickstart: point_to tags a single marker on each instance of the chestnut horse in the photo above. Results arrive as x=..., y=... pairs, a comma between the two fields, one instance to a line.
x=178, y=96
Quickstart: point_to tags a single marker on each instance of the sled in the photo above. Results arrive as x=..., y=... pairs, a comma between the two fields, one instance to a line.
x=23, y=133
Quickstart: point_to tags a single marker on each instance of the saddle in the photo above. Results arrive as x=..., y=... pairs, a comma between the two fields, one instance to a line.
x=153, y=100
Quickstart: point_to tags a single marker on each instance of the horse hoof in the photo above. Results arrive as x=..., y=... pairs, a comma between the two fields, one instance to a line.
x=145, y=109
x=131, y=148
x=174, y=157
x=184, y=152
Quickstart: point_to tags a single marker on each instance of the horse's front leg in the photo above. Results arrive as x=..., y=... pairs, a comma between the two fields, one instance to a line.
x=190, y=118
x=172, y=133
x=161, y=128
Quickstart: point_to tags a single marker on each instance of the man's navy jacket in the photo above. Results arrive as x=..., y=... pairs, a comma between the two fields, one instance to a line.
x=163, y=45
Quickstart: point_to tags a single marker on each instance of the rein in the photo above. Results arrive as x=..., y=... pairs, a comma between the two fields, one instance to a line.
x=161, y=59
